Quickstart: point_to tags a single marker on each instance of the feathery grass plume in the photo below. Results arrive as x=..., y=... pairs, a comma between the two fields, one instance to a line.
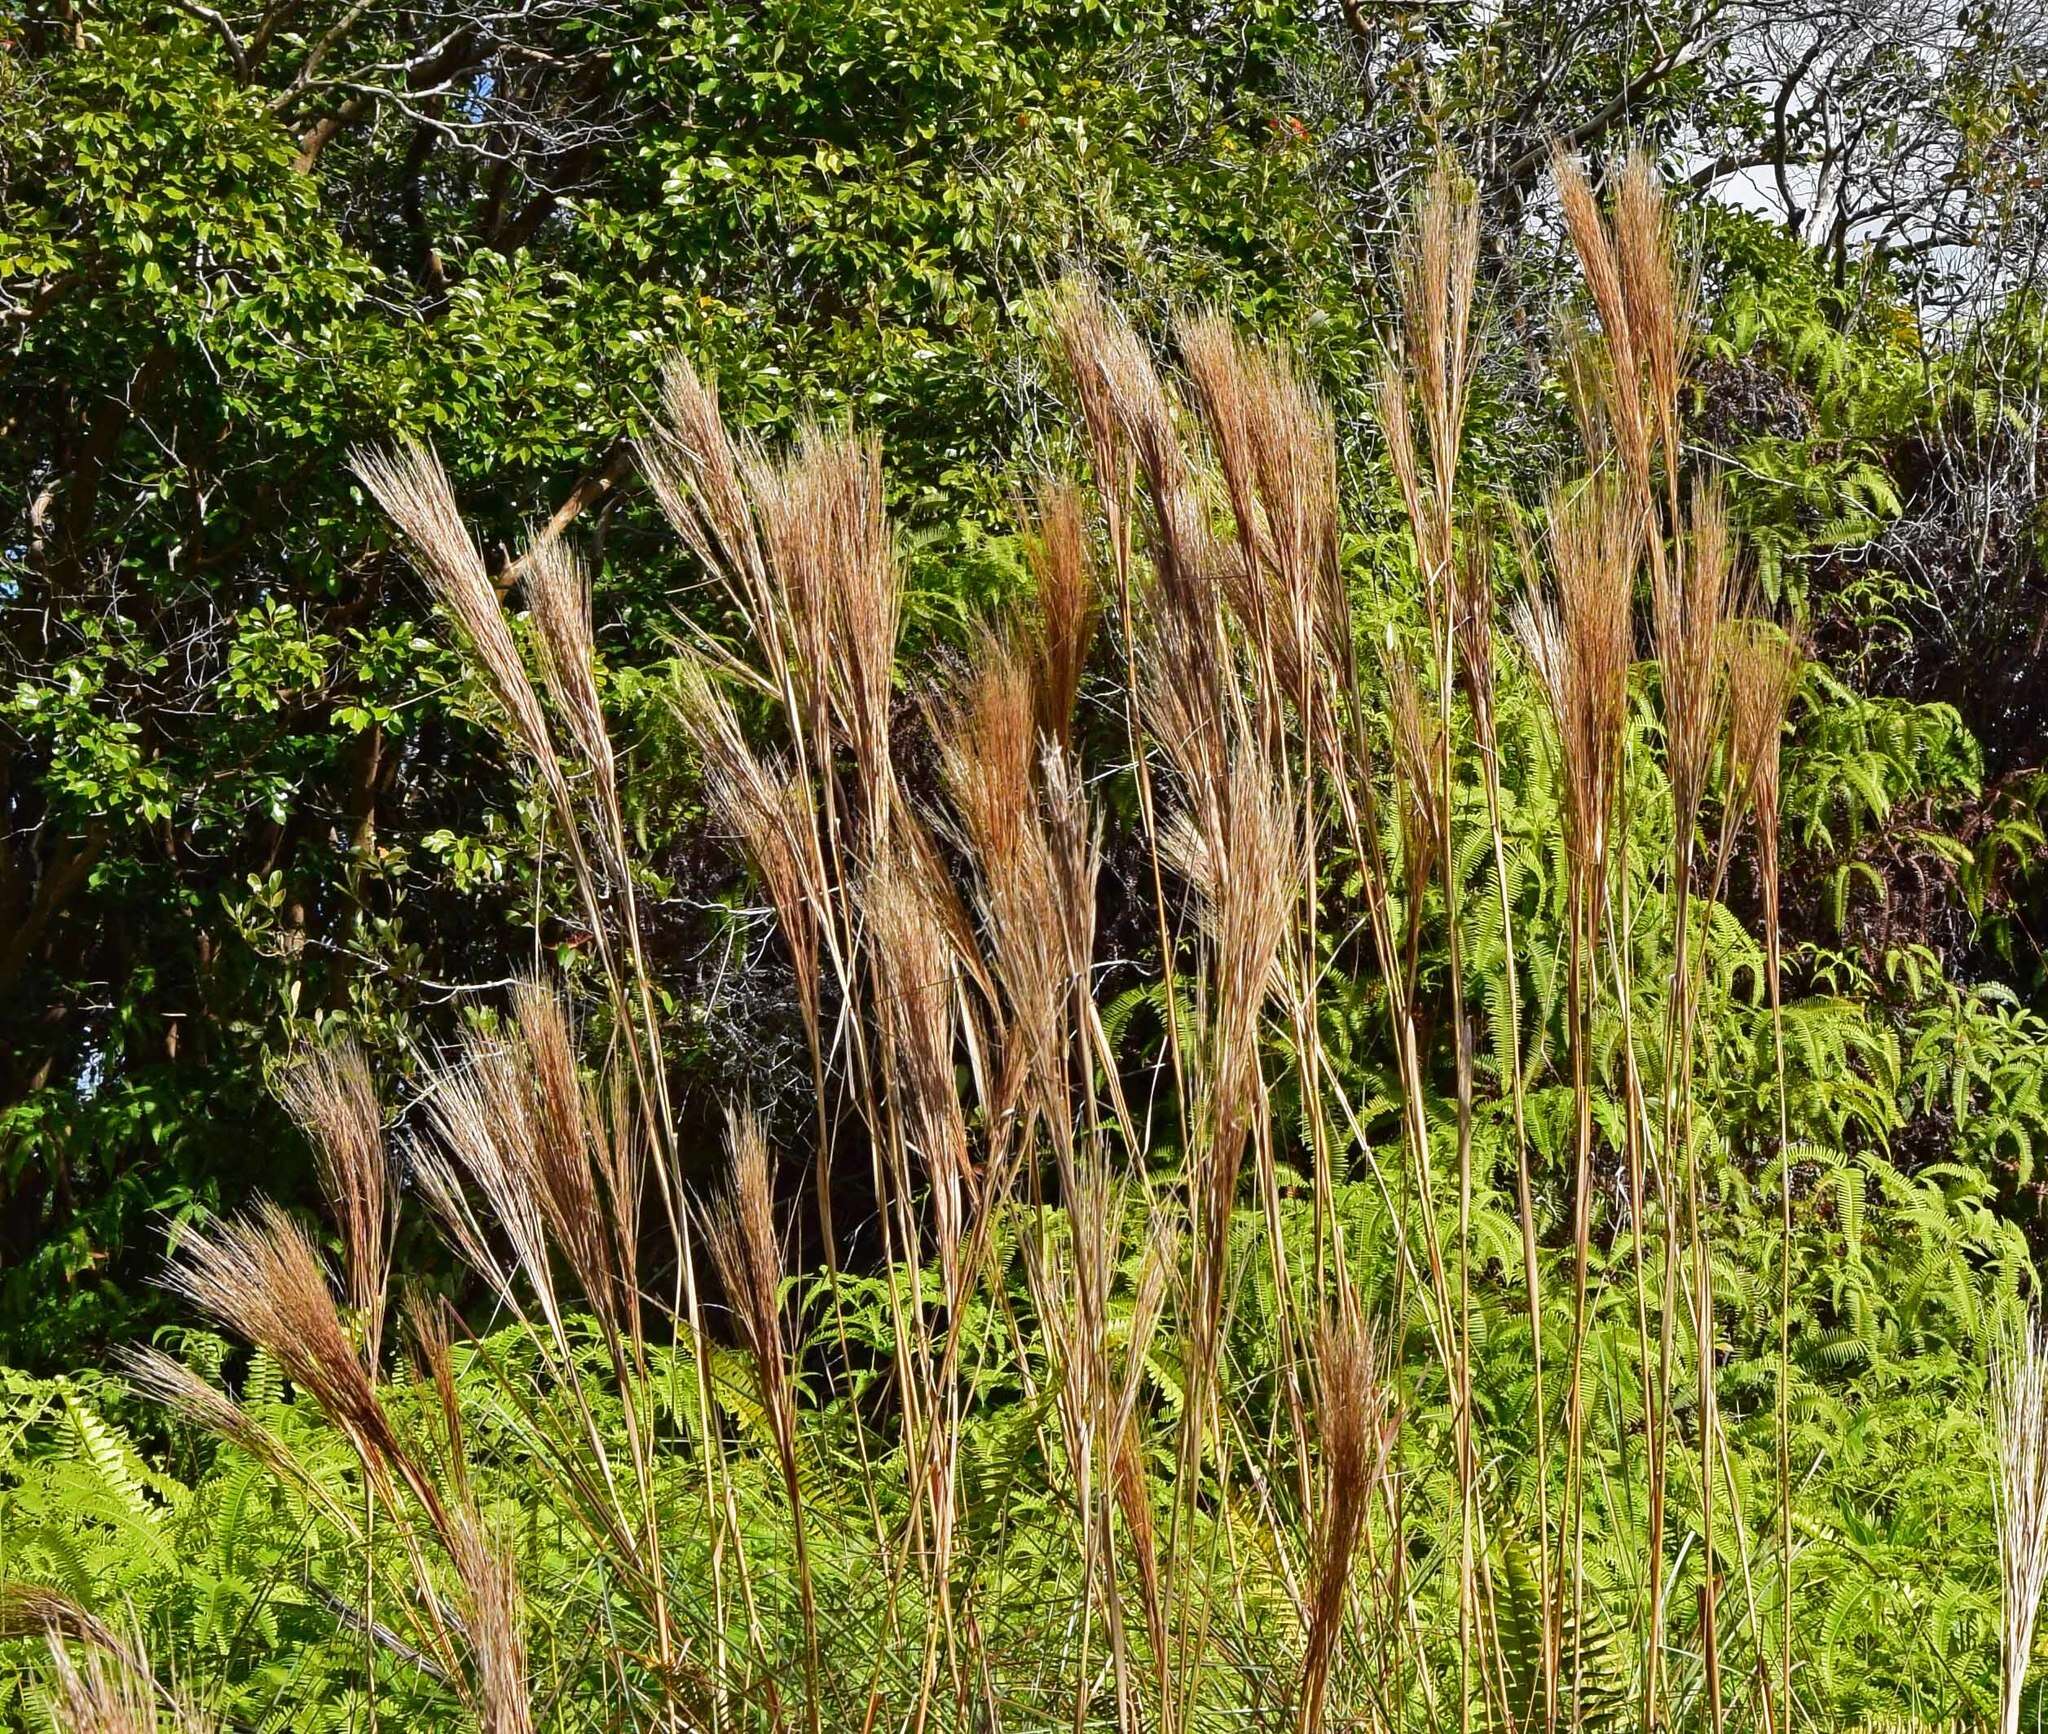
x=1221, y=367
x=1352, y=1411
x=915, y=998
x=494, y=1620
x=100, y=1696
x=512, y=1112
x=1275, y=443
x=2019, y=1428
x=1422, y=390
x=1397, y=427
x=409, y=484
x=1581, y=648
x=695, y=471
x=1116, y=376
x=1069, y=841
x=168, y=1382
x=1613, y=379
x=330, y=1093
x=573, y=1198
x=1764, y=667
x=619, y=1149
x=1660, y=291
x=991, y=768
x=31, y=1610
x=740, y=1231
x=1472, y=621
x=1188, y=699
x=262, y=1278
x=1688, y=599
x=1073, y=846
x=830, y=550
x=480, y=1111
x=1056, y=544
x=1584, y=367
x=433, y=1351
x=1294, y=443
x=1439, y=271
x=1102, y=354
x=114, y=1691
x=521, y=1140
x=768, y=808
x=557, y=588
x=1245, y=871
x=1241, y=854
x=986, y=729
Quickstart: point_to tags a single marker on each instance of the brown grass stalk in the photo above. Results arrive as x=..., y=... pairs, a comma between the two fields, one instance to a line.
x=1580, y=648
x=1764, y=667
x=740, y=1232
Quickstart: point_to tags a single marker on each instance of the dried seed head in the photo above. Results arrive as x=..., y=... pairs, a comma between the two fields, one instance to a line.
x=1275, y=444
x=1240, y=852
x=1056, y=542
x=1619, y=379
x=1660, y=290
x=1472, y=619
x=408, y=482
x=1764, y=668
x=558, y=598
x=767, y=806
x=433, y=1349
x=915, y=998
x=1688, y=596
x=1439, y=271
x=833, y=563
x=694, y=468
x=1023, y=818
x=99, y=1696
x=1090, y=332
x=261, y=1277
x=573, y=1201
x=987, y=735
x=332, y=1096
x=1123, y=404
x=1581, y=647
x=1352, y=1412
x=740, y=1231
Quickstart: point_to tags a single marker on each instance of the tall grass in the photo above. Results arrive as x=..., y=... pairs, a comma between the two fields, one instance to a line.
x=1150, y=1394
